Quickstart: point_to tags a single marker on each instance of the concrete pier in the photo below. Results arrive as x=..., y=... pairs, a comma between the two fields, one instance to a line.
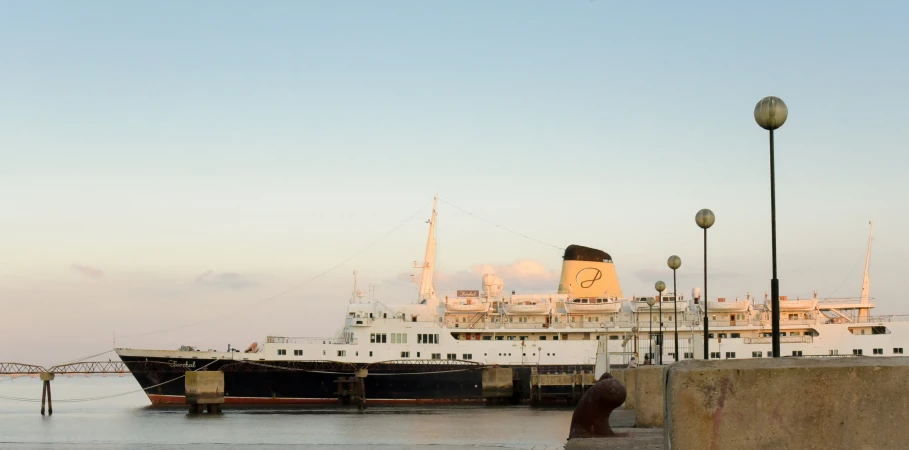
x=204, y=390
x=788, y=403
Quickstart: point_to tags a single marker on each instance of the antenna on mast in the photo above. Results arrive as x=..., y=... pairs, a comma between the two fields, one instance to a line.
x=866, y=280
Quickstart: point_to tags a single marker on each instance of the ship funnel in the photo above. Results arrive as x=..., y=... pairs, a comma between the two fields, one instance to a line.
x=588, y=272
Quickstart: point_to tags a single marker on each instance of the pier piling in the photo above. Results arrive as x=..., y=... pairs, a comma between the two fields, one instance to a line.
x=204, y=389
x=46, y=378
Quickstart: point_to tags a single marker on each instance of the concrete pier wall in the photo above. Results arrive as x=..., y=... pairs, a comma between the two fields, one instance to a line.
x=787, y=403
x=648, y=396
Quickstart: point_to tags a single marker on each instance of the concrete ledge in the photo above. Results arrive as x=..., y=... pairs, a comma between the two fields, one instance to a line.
x=788, y=403
x=637, y=439
x=619, y=375
x=648, y=396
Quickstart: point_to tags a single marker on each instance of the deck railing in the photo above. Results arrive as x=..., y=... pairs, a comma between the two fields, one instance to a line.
x=309, y=340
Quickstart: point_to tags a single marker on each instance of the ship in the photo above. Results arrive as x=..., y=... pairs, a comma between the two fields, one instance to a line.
x=435, y=348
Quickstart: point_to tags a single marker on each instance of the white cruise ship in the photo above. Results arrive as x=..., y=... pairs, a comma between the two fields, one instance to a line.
x=434, y=349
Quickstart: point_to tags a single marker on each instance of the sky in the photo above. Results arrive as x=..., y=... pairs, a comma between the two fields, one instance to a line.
x=210, y=173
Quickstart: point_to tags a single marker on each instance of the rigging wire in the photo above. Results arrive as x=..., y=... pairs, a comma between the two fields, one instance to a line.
x=273, y=297
x=849, y=275
x=502, y=227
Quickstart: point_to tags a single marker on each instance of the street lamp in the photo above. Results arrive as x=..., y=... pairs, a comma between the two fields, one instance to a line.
x=651, y=301
x=705, y=219
x=674, y=263
x=770, y=113
x=660, y=287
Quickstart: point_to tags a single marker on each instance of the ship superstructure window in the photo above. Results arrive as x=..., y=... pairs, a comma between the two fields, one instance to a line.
x=834, y=352
x=555, y=338
x=427, y=338
x=898, y=351
x=342, y=352
x=467, y=356
x=736, y=335
x=451, y=356
x=722, y=335
x=856, y=351
x=522, y=319
x=500, y=338
x=436, y=356
x=282, y=352
x=405, y=354
x=614, y=337
x=714, y=355
x=730, y=355
x=878, y=351
x=796, y=353
x=756, y=355
x=377, y=338
x=542, y=338
x=523, y=338
x=793, y=317
x=298, y=352
x=689, y=355
x=398, y=338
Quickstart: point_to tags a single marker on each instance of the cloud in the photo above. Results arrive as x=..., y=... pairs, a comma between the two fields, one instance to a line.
x=225, y=280
x=525, y=275
x=87, y=271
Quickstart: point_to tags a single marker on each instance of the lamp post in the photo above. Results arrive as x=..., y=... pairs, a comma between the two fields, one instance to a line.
x=651, y=301
x=705, y=219
x=674, y=263
x=770, y=113
x=660, y=287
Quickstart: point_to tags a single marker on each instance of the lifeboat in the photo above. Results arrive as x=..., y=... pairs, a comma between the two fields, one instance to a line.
x=476, y=306
x=736, y=306
x=794, y=305
x=582, y=305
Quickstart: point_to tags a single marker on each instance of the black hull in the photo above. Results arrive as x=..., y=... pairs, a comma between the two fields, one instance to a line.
x=314, y=382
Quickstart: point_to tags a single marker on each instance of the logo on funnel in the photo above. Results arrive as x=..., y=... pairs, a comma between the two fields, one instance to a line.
x=588, y=276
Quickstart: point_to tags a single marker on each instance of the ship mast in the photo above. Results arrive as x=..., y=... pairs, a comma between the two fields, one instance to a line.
x=866, y=281
x=427, y=290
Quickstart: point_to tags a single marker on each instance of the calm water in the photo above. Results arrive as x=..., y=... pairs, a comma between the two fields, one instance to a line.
x=128, y=422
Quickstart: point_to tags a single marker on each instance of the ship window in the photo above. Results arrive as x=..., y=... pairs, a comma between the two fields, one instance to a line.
x=418, y=354
x=766, y=335
x=689, y=355
x=452, y=356
x=523, y=338
x=614, y=337
x=796, y=353
x=500, y=338
x=794, y=333
x=282, y=352
x=715, y=355
x=436, y=356
x=487, y=338
x=710, y=336
x=467, y=356
x=834, y=352
x=405, y=354
x=542, y=338
x=722, y=335
x=555, y=338
x=782, y=333
x=510, y=338
x=736, y=335
x=298, y=352
x=756, y=354
x=898, y=351
x=856, y=351
x=793, y=317
x=878, y=351
x=370, y=353
x=342, y=352
x=730, y=355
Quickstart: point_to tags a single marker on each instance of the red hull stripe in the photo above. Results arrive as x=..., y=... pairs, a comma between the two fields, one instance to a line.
x=180, y=400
